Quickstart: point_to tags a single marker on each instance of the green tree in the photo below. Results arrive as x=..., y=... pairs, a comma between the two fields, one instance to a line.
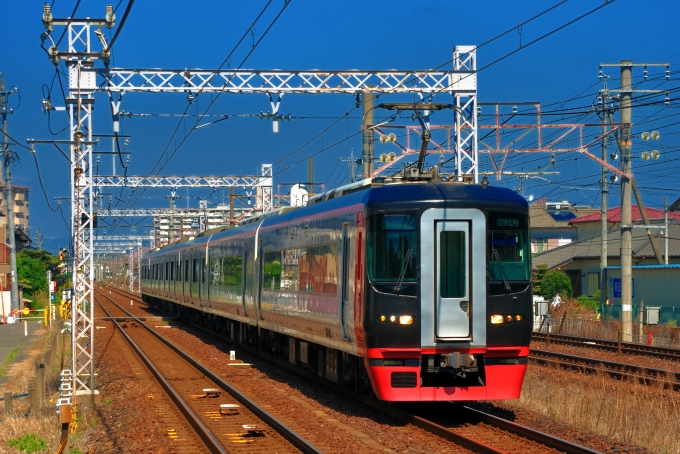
x=537, y=276
x=556, y=282
x=31, y=273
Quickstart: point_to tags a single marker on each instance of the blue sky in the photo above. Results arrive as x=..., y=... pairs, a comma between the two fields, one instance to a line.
x=560, y=72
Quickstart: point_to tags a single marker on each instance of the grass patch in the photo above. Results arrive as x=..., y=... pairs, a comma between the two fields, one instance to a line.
x=13, y=354
x=646, y=416
x=28, y=443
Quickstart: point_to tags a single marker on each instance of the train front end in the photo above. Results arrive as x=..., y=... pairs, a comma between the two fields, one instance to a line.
x=448, y=300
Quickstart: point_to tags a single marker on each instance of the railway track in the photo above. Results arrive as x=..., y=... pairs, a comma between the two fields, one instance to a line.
x=488, y=434
x=646, y=375
x=666, y=353
x=221, y=418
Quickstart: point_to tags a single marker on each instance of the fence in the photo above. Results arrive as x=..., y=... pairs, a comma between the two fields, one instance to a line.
x=564, y=322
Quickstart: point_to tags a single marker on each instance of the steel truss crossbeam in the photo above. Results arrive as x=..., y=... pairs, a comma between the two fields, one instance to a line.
x=167, y=212
x=177, y=181
x=123, y=238
x=561, y=132
x=277, y=81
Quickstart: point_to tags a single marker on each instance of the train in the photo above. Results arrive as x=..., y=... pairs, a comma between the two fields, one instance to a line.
x=407, y=290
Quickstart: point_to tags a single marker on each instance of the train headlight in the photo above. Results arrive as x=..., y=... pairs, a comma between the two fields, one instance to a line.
x=496, y=319
x=382, y=318
x=393, y=318
x=509, y=317
x=518, y=318
x=405, y=320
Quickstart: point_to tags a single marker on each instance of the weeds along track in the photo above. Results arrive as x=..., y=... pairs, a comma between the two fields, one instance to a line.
x=665, y=353
x=217, y=418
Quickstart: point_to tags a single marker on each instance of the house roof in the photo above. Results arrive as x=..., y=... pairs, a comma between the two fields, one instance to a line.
x=590, y=248
x=614, y=215
x=540, y=217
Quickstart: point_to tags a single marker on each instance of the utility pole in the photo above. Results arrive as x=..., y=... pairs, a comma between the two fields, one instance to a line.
x=603, y=207
x=627, y=185
x=8, y=158
x=367, y=147
x=310, y=162
x=665, y=219
x=626, y=223
x=352, y=166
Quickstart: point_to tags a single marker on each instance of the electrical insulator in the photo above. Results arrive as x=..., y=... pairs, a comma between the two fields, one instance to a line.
x=514, y=110
x=668, y=73
x=668, y=100
x=644, y=73
x=600, y=75
x=479, y=110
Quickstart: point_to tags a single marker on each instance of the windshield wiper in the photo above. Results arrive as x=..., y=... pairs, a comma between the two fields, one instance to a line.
x=407, y=260
x=494, y=252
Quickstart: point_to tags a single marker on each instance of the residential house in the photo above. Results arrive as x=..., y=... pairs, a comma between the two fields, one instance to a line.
x=549, y=223
x=580, y=260
x=591, y=224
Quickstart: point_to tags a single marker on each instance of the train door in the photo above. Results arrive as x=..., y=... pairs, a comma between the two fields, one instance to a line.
x=185, y=282
x=259, y=279
x=344, y=303
x=453, y=276
x=452, y=262
x=244, y=278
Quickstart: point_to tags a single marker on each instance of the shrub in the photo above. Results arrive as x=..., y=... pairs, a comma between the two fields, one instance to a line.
x=556, y=282
x=537, y=276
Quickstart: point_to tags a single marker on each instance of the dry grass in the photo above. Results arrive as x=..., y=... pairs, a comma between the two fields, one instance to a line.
x=45, y=424
x=646, y=416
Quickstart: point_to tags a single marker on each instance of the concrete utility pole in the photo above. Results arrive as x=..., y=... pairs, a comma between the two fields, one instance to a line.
x=603, y=208
x=626, y=227
x=367, y=148
x=627, y=186
x=9, y=197
x=310, y=163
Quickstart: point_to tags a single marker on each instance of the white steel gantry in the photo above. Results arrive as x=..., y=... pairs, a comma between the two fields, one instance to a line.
x=262, y=183
x=460, y=82
x=80, y=103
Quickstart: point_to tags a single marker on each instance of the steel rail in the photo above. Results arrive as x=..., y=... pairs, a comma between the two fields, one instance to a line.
x=286, y=432
x=527, y=432
x=669, y=353
x=645, y=375
x=201, y=430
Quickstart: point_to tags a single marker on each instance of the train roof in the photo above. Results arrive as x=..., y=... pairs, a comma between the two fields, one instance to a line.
x=371, y=191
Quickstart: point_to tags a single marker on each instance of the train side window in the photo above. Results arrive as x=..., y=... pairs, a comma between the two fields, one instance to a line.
x=272, y=270
x=216, y=271
x=232, y=271
x=186, y=270
x=194, y=273
x=179, y=271
x=172, y=271
x=167, y=273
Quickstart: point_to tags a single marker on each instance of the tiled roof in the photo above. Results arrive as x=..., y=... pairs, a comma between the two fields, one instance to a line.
x=540, y=219
x=614, y=215
x=589, y=248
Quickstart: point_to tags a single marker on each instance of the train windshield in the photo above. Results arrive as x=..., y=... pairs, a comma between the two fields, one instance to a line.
x=392, y=253
x=508, y=248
